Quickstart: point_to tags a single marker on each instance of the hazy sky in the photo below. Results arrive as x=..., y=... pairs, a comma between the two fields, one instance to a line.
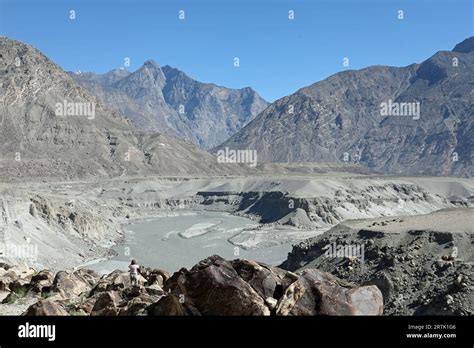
x=277, y=55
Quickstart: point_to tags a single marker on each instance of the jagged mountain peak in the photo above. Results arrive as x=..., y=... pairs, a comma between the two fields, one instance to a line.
x=150, y=67
x=148, y=80
x=167, y=69
x=166, y=99
x=176, y=74
x=151, y=63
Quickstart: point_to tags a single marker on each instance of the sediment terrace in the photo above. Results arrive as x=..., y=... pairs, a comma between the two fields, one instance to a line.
x=75, y=222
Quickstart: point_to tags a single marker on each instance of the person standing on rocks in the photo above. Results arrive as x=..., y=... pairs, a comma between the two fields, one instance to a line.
x=133, y=269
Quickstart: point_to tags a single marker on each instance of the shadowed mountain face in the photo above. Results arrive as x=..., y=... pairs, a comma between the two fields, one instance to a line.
x=412, y=120
x=52, y=127
x=167, y=100
x=467, y=46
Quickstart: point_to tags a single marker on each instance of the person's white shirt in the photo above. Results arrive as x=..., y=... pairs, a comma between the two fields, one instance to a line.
x=133, y=269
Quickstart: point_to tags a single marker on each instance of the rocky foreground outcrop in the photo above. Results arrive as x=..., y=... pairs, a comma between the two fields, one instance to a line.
x=422, y=264
x=214, y=286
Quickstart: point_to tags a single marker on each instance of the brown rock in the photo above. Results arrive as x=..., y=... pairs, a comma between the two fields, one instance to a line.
x=86, y=306
x=41, y=280
x=58, y=296
x=101, y=286
x=42, y=275
x=45, y=307
x=19, y=286
x=117, y=280
x=168, y=305
x=138, y=305
x=133, y=291
x=156, y=279
x=88, y=275
x=134, y=307
x=215, y=288
x=154, y=289
x=290, y=299
x=158, y=276
x=107, y=303
x=13, y=273
x=320, y=293
x=72, y=284
x=262, y=278
x=366, y=300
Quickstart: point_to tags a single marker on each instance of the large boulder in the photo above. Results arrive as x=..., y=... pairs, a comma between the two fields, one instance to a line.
x=154, y=290
x=86, y=306
x=134, y=307
x=22, y=271
x=319, y=293
x=242, y=287
x=366, y=300
x=10, y=274
x=156, y=276
x=119, y=279
x=71, y=284
x=133, y=291
x=88, y=275
x=214, y=287
x=266, y=280
x=42, y=280
x=168, y=305
x=116, y=281
x=101, y=286
x=138, y=305
x=46, y=307
x=20, y=286
x=107, y=303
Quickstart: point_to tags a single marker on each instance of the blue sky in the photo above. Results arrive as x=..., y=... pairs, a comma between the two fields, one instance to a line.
x=277, y=55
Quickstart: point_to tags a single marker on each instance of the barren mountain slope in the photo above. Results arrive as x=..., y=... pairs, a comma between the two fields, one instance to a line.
x=165, y=99
x=340, y=119
x=37, y=140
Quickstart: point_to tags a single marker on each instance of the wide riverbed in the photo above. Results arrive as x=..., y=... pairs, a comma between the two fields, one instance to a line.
x=173, y=242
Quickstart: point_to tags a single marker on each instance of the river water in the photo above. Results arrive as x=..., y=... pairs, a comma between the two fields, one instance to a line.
x=172, y=242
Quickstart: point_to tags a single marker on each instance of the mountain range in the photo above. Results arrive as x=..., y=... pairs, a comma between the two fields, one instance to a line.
x=413, y=120
x=167, y=100
x=50, y=126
